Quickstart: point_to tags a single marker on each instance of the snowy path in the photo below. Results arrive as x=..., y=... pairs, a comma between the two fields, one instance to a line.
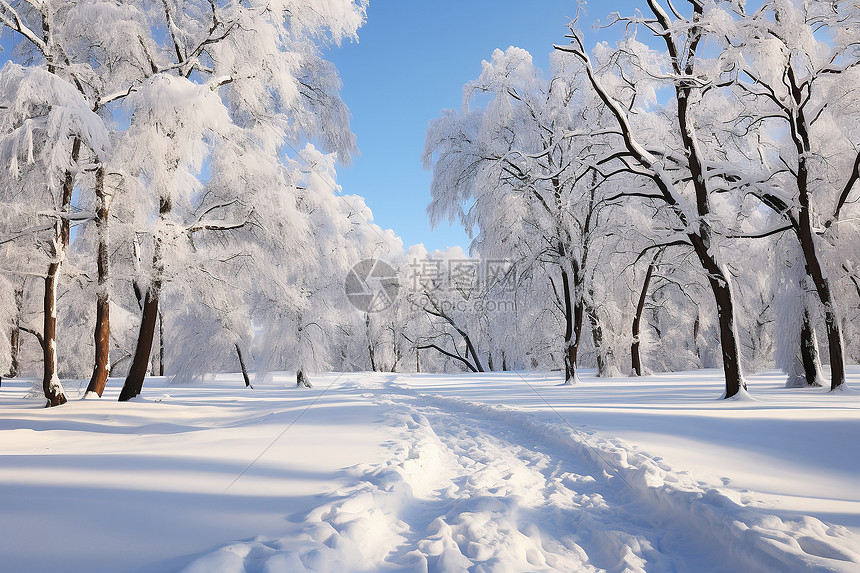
x=475, y=487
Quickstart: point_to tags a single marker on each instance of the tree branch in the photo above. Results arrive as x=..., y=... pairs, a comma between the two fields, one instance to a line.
x=843, y=197
x=763, y=234
x=35, y=333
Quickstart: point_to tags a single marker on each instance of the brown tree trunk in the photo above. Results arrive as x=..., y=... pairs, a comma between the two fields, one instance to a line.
x=302, y=380
x=101, y=334
x=718, y=277
x=637, y=318
x=140, y=363
x=51, y=385
x=101, y=368
x=139, y=366
x=160, y=343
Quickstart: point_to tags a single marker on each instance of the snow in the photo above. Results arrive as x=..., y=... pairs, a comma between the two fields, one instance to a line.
x=385, y=472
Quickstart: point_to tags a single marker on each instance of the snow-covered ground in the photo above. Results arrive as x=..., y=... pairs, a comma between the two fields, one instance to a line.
x=385, y=472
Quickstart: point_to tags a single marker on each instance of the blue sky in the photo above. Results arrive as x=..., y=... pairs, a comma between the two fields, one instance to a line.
x=410, y=63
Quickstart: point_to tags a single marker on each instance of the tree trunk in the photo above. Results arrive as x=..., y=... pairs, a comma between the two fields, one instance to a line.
x=807, y=371
x=160, y=343
x=718, y=277
x=572, y=328
x=398, y=350
x=697, y=327
x=101, y=368
x=51, y=385
x=15, y=334
x=302, y=380
x=101, y=335
x=244, y=369
x=822, y=288
x=720, y=281
x=805, y=235
x=14, y=345
x=597, y=340
x=809, y=352
x=139, y=366
x=370, y=351
x=603, y=354
x=637, y=319
x=573, y=352
x=728, y=334
x=470, y=350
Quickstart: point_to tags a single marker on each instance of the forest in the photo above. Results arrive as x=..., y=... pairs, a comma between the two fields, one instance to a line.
x=686, y=198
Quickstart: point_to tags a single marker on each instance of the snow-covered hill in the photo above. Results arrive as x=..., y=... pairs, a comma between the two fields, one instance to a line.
x=376, y=472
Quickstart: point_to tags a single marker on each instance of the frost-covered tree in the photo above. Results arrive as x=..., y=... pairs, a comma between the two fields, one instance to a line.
x=254, y=71
x=509, y=159
x=251, y=79
x=446, y=292
x=307, y=323
x=797, y=67
x=48, y=135
x=666, y=150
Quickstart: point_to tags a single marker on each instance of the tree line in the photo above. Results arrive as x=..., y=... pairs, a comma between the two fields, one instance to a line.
x=713, y=149
x=684, y=198
x=157, y=153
